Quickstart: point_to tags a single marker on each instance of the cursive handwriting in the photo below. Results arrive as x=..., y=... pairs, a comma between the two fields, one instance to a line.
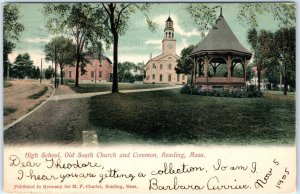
x=214, y=184
x=168, y=169
x=153, y=185
x=57, y=163
x=15, y=161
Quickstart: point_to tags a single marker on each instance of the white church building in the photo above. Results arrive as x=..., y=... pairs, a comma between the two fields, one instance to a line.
x=161, y=69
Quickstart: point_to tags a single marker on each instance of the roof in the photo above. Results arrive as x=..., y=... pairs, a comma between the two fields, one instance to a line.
x=219, y=39
x=162, y=57
x=169, y=19
x=103, y=57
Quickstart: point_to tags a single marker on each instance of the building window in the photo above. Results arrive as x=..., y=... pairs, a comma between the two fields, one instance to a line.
x=160, y=77
x=85, y=74
x=100, y=73
x=92, y=74
x=170, y=66
x=183, y=77
x=160, y=66
x=70, y=74
x=153, y=66
x=101, y=64
x=153, y=76
x=169, y=77
x=178, y=77
x=170, y=58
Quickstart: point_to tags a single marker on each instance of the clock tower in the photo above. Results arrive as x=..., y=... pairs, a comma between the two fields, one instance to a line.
x=169, y=42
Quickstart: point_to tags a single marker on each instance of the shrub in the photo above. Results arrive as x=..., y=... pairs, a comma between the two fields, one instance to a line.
x=187, y=89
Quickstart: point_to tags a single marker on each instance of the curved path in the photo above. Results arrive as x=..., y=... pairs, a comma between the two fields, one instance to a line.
x=61, y=120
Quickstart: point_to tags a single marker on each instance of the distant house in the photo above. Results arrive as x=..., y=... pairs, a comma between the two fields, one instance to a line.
x=95, y=70
x=161, y=69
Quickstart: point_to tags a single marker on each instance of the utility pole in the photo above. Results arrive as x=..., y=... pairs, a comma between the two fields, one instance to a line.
x=55, y=59
x=41, y=72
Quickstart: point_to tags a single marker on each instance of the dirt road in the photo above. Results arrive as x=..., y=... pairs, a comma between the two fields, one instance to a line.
x=16, y=98
x=56, y=122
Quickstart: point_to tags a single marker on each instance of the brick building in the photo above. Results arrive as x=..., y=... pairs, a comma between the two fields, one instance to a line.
x=101, y=72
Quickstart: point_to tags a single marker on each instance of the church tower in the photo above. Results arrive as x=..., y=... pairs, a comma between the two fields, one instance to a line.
x=169, y=42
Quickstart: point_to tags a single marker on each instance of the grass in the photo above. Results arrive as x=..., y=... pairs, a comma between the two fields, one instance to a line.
x=169, y=117
x=102, y=87
x=8, y=110
x=7, y=84
x=39, y=94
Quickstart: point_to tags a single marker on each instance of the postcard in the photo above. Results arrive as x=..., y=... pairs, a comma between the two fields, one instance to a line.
x=126, y=97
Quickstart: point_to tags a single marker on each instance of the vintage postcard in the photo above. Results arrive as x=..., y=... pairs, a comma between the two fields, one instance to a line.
x=149, y=97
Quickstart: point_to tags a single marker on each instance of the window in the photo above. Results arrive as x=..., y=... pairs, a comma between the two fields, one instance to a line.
x=183, y=77
x=100, y=73
x=92, y=74
x=85, y=74
x=178, y=77
x=101, y=64
x=170, y=66
x=169, y=77
x=160, y=66
x=169, y=57
x=153, y=66
x=160, y=77
x=153, y=76
x=70, y=74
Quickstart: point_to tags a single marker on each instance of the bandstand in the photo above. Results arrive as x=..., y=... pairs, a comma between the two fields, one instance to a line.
x=219, y=59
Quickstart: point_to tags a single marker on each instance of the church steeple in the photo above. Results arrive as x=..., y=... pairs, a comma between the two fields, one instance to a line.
x=169, y=30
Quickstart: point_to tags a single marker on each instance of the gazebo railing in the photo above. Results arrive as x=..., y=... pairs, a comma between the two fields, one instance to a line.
x=219, y=80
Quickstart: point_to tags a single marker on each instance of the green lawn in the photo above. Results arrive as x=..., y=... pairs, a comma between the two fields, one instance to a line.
x=102, y=87
x=169, y=117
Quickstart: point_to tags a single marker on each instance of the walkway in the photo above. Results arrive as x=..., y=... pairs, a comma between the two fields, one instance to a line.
x=59, y=121
x=88, y=95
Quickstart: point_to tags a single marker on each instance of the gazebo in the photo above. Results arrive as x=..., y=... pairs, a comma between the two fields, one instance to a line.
x=219, y=59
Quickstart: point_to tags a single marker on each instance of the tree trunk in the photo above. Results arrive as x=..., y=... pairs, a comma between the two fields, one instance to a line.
x=258, y=78
x=115, y=66
x=77, y=65
x=285, y=79
x=61, y=75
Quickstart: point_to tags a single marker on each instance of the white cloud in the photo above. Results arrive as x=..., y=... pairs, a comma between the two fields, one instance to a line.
x=160, y=20
x=132, y=58
x=35, y=56
x=37, y=40
x=181, y=45
x=153, y=42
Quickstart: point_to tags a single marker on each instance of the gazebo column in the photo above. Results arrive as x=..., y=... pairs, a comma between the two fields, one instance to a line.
x=206, y=68
x=229, y=63
x=245, y=65
x=195, y=59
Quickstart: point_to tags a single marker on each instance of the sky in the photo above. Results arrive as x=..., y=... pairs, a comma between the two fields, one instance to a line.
x=138, y=42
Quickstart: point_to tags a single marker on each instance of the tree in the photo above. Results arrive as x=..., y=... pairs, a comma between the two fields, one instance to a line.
x=79, y=20
x=119, y=15
x=285, y=14
x=285, y=40
x=185, y=64
x=124, y=72
x=65, y=52
x=23, y=67
x=11, y=31
x=263, y=46
x=49, y=72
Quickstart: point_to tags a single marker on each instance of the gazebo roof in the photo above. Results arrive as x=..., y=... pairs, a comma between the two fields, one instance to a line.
x=221, y=39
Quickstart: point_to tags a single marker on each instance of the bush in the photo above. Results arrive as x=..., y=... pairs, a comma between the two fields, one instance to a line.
x=187, y=89
x=69, y=81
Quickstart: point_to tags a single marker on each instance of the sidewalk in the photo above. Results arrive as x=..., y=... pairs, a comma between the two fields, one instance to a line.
x=70, y=95
x=59, y=121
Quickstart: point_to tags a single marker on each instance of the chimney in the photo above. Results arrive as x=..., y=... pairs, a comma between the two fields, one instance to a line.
x=150, y=56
